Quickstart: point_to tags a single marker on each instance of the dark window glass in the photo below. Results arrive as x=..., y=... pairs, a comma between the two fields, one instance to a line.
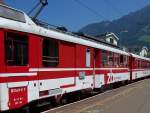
x=88, y=58
x=116, y=60
x=125, y=61
x=104, y=58
x=121, y=59
x=111, y=40
x=16, y=49
x=12, y=14
x=111, y=58
x=50, y=53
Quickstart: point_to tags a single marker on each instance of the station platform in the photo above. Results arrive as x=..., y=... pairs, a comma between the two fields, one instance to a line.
x=132, y=98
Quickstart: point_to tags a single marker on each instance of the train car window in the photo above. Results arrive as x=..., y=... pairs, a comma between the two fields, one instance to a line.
x=116, y=60
x=135, y=63
x=104, y=58
x=88, y=57
x=142, y=65
x=125, y=61
x=16, y=49
x=12, y=14
x=121, y=59
x=111, y=59
x=139, y=65
x=9, y=50
x=50, y=53
x=146, y=65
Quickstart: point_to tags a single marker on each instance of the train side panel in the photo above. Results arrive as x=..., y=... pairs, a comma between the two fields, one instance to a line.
x=140, y=67
x=110, y=68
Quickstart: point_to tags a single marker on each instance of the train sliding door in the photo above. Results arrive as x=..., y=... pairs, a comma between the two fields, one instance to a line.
x=98, y=77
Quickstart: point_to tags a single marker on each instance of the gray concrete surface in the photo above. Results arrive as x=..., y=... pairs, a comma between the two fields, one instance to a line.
x=133, y=98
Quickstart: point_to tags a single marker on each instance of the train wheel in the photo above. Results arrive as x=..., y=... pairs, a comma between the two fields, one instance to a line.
x=64, y=100
x=25, y=110
x=103, y=89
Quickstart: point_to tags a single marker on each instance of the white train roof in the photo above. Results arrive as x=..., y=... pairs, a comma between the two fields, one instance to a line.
x=30, y=27
x=140, y=57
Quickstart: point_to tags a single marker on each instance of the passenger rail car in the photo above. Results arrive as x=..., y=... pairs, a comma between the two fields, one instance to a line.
x=140, y=66
x=38, y=63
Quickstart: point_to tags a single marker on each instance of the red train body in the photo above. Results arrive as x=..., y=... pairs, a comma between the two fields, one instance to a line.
x=38, y=63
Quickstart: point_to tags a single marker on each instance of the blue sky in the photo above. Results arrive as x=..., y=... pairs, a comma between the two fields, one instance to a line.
x=74, y=16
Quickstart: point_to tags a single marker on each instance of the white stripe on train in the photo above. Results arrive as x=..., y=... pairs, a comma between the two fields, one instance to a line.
x=73, y=69
x=17, y=74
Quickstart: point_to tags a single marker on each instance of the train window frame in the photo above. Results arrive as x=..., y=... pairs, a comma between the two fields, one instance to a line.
x=121, y=59
x=16, y=52
x=110, y=59
x=88, y=57
x=116, y=60
x=12, y=14
x=104, y=58
x=139, y=65
x=125, y=60
x=50, y=59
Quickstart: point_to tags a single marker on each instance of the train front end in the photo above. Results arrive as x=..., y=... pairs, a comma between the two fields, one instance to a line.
x=13, y=60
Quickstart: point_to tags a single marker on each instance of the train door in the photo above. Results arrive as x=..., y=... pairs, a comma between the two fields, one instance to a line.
x=97, y=78
x=2, y=59
x=49, y=60
x=84, y=67
x=35, y=53
x=131, y=66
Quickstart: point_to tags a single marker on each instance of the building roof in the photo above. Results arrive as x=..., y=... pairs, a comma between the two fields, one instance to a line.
x=112, y=34
x=144, y=47
x=106, y=35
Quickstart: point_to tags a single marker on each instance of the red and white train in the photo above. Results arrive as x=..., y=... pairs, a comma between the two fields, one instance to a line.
x=38, y=63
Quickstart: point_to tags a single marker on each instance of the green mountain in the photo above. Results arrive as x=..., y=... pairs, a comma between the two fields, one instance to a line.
x=132, y=29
